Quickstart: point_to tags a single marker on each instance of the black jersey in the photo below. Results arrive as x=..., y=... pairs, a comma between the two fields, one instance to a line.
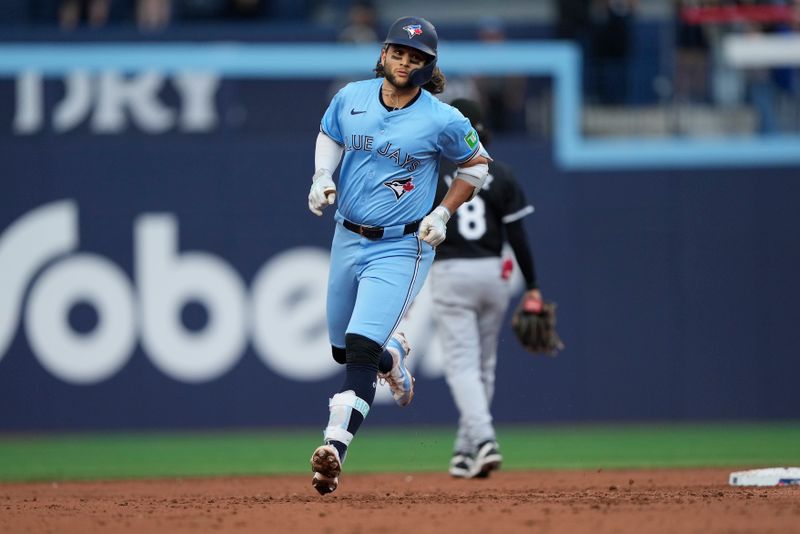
x=476, y=229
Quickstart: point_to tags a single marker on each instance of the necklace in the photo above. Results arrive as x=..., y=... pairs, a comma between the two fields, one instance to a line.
x=395, y=100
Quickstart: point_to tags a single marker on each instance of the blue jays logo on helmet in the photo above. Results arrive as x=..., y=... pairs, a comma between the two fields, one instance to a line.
x=413, y=29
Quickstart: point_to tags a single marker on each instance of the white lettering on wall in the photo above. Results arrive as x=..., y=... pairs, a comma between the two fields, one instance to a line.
x=76, y=104
x=29, y=115
x=89, y=357
x=25, y=247
x=283, y=313
x=288, y=314
x=168, y=280
x=110, y=102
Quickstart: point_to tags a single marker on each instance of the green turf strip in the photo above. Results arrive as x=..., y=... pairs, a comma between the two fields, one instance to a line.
x=404, y=449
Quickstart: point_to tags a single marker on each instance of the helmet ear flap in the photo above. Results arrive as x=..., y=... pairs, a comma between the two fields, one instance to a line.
x=420, y=77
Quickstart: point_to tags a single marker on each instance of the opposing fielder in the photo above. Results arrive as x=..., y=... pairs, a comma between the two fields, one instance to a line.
x=470, y=296
x=392, y=132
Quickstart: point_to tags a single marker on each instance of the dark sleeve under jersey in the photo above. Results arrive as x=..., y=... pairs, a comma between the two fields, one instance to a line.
x=518, y=239
x=517, y=208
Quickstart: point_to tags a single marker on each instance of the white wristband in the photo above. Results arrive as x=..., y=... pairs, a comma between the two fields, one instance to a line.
x=443, y=212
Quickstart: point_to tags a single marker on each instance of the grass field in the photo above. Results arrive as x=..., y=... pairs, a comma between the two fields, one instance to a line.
x=153, y=455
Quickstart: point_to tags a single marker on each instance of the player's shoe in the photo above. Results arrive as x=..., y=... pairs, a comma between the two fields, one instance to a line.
x=326, y=465
x=399, y=377
x=487, y=459
x=461, y=465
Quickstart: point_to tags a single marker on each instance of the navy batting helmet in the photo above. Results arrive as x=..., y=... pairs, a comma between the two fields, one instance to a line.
x=417, y=33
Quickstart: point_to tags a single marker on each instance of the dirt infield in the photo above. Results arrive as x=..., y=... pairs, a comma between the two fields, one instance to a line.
x=542, y=501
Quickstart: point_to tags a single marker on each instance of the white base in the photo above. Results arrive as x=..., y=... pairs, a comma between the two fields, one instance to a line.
x=773, y=476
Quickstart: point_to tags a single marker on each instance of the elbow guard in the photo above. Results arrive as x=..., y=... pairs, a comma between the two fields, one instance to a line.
x=475, y=175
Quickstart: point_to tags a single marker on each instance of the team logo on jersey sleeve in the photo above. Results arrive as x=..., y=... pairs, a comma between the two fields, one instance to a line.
x=400, y=186
x=413, y=29
x=472, y=139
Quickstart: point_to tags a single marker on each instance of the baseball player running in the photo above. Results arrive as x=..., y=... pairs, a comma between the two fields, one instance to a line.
x=470, y=296
x=392, y=132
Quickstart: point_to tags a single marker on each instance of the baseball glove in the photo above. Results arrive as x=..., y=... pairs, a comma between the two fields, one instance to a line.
x=534, y=323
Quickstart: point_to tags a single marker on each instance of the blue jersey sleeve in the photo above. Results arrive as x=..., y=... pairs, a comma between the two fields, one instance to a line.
x=330, y=120
x=459, y=142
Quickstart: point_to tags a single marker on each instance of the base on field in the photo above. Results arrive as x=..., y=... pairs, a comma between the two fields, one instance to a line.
x=773, y=476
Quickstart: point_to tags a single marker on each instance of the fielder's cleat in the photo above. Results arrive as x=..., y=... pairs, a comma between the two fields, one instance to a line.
x=326, y=466
x=487, y=459
x=461, y=465
x=399, y=377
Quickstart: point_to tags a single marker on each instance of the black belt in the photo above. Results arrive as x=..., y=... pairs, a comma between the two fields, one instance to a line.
x=376, y=232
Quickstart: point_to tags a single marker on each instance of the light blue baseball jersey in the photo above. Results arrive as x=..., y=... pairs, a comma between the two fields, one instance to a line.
x=390, y=167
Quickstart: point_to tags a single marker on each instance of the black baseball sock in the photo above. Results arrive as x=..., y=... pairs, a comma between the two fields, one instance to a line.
x=360, y=378
x=386, y=362
x=362, y=356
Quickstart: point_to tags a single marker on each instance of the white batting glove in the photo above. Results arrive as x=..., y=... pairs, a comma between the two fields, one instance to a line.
x=433, y=227
x=323, y=192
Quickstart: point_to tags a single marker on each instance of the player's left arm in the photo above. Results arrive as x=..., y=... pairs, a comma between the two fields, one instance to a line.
x=460, y=143
x=474, y=172
x=463, y=188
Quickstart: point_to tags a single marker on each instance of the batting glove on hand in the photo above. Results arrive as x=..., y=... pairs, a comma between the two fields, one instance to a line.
x=323, y=192
x=433, y=227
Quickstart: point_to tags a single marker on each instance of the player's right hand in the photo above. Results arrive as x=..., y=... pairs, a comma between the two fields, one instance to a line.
x=323, y=192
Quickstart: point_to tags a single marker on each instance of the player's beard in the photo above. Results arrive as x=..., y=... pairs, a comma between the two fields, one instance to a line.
x=392, y=79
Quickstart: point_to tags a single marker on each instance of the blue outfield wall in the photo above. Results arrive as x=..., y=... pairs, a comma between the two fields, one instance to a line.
x=159, y=269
